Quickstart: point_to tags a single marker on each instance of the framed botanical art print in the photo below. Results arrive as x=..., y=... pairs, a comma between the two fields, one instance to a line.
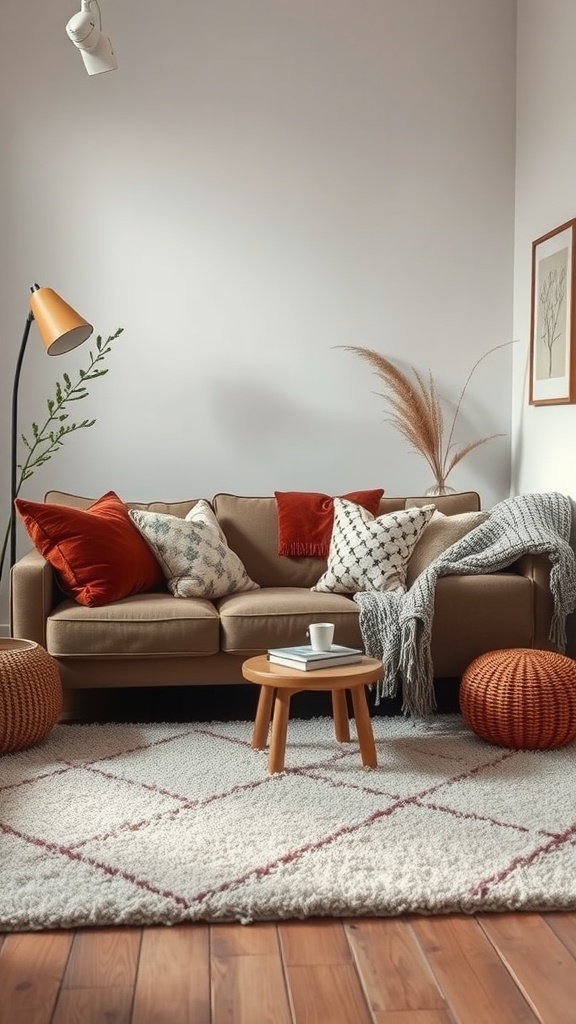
x=553, y=319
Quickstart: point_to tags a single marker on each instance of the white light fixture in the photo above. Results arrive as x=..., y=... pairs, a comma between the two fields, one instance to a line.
x=85, y=31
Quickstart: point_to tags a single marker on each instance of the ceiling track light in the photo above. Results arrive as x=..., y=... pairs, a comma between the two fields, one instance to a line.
x=85, y=31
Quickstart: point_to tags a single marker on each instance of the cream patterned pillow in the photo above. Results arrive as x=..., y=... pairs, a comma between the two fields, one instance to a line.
x=371, y=553
x=440, y=534
x=193, y=552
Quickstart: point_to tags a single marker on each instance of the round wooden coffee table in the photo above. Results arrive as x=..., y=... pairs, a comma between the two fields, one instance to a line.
x=277, y=684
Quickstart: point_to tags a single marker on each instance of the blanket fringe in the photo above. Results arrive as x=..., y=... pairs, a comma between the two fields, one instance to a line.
x=417, y=671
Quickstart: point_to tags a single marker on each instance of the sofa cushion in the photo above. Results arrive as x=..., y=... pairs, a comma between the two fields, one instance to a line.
x=305, y=519
x=368, y=553
x=98, y=554
x=441, y=532
x=251, y=528
x=193, y=552
x=280, y=616
x=144, y=625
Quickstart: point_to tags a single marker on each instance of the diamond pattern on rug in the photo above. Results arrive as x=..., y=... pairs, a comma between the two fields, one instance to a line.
x=143, y=824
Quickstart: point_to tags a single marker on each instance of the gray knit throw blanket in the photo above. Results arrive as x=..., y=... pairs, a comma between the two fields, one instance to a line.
x=396, y=626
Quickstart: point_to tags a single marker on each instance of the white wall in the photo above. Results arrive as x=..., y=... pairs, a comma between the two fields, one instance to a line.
x=258, y=183
x=543, y=436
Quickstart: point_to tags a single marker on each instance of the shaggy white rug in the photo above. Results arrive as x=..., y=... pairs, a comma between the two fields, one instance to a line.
x=142, y=824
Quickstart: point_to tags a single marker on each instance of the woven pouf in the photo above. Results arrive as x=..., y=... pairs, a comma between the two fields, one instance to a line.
x=30, y=694
x=521, y=698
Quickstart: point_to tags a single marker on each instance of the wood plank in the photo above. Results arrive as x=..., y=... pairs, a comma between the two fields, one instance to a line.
x=326, y=994
x=32, y=965
x=94, y=1006
x=103, y=958
x=314, y=942
x=538, y=961
x=471, y=975
x=173, y=979
x=563, y=924
x=241, y=940
x=477, y=962
x=392, y=966
x=413, y=1017
x=249, y=990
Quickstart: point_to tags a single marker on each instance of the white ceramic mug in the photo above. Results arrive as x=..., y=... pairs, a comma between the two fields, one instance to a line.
x=321, y=635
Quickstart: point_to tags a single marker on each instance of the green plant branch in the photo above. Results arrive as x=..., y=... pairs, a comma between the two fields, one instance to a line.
x=48, y=439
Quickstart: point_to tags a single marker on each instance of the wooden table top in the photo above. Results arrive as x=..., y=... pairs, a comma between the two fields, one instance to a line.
x=341, y=677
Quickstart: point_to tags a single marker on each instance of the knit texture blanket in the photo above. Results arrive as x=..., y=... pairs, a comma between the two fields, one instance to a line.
x=396, y=627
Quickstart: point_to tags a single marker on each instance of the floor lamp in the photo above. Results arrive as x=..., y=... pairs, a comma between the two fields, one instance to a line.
x=61, y=329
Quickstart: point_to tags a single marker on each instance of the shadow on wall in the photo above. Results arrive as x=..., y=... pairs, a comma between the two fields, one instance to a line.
x=295, y=435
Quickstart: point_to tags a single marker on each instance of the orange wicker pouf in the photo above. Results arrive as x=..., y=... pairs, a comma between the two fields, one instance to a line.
x=30, y=694
x=521, y=698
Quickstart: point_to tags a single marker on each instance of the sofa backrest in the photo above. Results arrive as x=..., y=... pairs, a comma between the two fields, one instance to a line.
x=250, y=525
x=173, y=508
x=251, y=528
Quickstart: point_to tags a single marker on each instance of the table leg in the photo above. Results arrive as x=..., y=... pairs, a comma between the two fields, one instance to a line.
x=263, y=715
x=364, y=728
x=279, y=729
x=340, y=716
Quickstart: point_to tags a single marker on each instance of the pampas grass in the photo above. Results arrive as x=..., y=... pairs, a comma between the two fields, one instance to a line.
x=416, y=412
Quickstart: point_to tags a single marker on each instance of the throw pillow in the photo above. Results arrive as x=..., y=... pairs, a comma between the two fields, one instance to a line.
x=193, y=552
x=97, y=553
x=306, y=518
x=368, y=553
x=442, y=531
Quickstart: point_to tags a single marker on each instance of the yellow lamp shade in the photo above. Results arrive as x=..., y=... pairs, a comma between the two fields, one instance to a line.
x=60, y=327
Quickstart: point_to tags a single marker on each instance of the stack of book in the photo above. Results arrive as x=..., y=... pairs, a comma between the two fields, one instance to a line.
x=305, y=659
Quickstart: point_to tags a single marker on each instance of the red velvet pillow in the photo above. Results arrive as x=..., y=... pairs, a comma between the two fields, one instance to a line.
x=97, y=552
x=305, y=519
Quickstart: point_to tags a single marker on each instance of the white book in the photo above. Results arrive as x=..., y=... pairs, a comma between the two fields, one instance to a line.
x=305, y=653
x=315, y=663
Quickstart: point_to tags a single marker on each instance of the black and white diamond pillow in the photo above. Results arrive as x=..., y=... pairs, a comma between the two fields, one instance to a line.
x=371, y=553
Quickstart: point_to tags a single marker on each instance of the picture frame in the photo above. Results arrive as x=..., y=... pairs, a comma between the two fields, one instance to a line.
x=553, y=317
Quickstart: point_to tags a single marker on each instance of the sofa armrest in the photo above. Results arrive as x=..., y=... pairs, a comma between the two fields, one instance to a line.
x=537, y=569
x=33, y=594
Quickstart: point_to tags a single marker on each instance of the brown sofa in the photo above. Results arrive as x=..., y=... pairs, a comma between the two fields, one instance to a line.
x=155, y=639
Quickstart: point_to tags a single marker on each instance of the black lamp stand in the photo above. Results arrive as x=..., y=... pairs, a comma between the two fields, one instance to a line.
x=14, y=439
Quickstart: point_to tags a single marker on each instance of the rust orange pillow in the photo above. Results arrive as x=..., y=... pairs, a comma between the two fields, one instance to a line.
x=305, y=519
x=97, y=553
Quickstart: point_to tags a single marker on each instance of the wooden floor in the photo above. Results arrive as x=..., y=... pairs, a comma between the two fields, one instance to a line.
x=488, y=969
